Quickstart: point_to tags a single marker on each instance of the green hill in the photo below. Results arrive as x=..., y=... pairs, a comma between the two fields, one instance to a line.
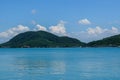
x=113, y=41
x=41, y=39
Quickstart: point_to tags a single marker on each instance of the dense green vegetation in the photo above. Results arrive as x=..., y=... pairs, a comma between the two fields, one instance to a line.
x=113, y=41
x=41, y=39
x=34, y=39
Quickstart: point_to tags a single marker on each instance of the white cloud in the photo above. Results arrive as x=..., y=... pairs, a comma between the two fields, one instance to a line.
x=84, y=22
x=115, y=30
x=5, y=36
x=96, y=30
x=59, y=28
x=96, y=33
x=39, y=27
x=33, y=11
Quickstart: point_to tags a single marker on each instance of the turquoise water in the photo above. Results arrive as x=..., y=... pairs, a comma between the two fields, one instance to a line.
x=60, y=64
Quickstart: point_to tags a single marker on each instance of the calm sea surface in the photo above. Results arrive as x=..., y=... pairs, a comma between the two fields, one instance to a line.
x=60, y=64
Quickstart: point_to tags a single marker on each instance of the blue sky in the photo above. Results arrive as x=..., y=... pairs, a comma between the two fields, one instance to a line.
x=86, y=20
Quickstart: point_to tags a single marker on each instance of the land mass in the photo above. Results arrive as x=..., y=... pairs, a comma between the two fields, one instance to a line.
x=43, y=39
x=33, y=39
x=113, y=41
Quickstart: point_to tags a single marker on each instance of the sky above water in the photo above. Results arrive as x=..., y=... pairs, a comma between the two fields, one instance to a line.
x=86, y=20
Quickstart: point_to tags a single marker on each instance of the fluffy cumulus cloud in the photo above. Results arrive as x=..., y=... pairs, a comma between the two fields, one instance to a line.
x=59, y=28
x=98, y=30
x=91, y=34
x=5, y=36
x=84, y=22
x=39, y=27
x=115, y=30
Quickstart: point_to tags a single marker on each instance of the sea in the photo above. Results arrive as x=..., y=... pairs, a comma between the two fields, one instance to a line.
x=60, y=63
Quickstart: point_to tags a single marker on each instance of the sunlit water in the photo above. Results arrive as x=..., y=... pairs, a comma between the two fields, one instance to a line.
x=60, y=64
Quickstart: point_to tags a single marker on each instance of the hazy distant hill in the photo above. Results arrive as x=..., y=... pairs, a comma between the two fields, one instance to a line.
x=113, y=41
x=41, y=39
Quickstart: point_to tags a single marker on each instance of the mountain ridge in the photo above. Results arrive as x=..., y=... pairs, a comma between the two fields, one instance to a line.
x=36, y=39
x=41, y=39
x=112, y=41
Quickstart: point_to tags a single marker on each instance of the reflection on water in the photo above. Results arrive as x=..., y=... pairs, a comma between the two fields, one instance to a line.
x=59, y=64
x=58, y=67
x=39, y=67
x=28, y=69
